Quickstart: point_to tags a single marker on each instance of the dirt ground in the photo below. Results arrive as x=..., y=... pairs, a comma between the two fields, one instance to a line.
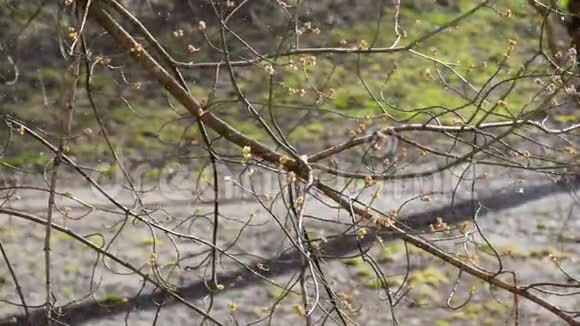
x=528, y=219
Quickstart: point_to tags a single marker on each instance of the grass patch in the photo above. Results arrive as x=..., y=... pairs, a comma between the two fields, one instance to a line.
x=355, y=261
x=509, y=250
x=391, y=251
x=275, y=292
x=70, y=268
x=377, y=283
x=112, y=298
x=430, y=276
x=150, y=241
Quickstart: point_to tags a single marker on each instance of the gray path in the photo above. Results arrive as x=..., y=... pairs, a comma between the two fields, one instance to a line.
x=524, y=216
